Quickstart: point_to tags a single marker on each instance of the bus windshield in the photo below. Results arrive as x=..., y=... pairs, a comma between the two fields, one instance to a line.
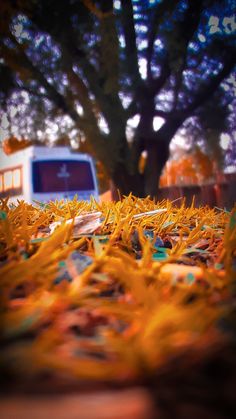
x=62, y=175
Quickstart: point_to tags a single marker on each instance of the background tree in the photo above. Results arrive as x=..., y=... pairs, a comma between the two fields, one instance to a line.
x=194, y=168
x=103, y=62
x=210, y=121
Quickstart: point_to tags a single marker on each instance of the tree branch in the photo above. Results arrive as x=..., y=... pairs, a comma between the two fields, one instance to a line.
x=207, y=89
x=127, y=21
x=132, y=109
x=157, y=84
x=109, y=47
x=108, y=102
x=22, y=61
x=161, y=114
x=96, y=139
x=182, y=33
x=71, y=50
x=160, y=10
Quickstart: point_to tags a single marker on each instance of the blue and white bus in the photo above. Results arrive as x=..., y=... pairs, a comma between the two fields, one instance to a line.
x=44, y=174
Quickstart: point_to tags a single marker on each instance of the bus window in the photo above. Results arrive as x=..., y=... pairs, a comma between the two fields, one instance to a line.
x=1, y=183
x=7, y=180
x=11, y=182
x=16, y=178
x=62, y=176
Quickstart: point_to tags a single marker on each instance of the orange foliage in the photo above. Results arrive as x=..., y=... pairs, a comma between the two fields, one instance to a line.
x=189, y=170
x=13, y=144
x=204, y=162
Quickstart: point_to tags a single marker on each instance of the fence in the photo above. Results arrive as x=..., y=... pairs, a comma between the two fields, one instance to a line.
x=222, y=195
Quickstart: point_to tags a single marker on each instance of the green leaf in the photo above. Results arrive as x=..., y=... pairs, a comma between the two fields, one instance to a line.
x=39, y=240
x=98, y=243
x=190, y=278
x=232, y=221
x=161, y=254
x=195, y=250
x=3, y=215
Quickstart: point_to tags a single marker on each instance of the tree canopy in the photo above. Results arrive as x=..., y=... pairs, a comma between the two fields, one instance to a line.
x=100, y=63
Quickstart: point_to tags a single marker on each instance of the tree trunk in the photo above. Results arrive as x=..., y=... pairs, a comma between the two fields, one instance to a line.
x=157, y=147
x=126, y=177
x=157, y=156
x=124, y=183
x=141, y=185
